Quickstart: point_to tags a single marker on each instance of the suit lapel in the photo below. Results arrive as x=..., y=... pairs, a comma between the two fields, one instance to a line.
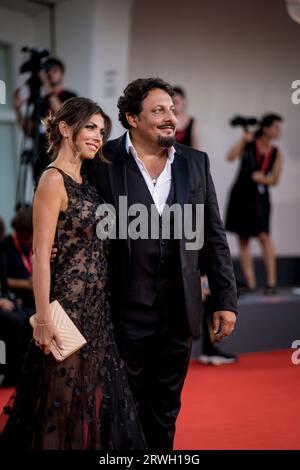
x=180, y=176
x=181, y=179
x=117, y=171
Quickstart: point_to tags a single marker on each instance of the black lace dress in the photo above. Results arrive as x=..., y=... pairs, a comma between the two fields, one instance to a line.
x=83, y=402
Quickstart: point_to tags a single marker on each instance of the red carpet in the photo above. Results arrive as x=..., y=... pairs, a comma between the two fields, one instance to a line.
x=5, y=394
x=253, y=404
x=250, y=405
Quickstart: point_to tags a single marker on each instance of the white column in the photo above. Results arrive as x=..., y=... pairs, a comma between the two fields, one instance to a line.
x=110, y=54
x=93, y=40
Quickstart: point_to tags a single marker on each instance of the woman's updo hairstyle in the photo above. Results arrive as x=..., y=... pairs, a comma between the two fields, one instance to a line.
x=76, y=112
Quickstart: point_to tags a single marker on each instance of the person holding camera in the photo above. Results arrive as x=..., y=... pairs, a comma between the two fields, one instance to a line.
x=51, y=76
x=249, y=207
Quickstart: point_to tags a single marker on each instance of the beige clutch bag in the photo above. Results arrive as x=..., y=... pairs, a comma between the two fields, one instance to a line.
x=71, y=337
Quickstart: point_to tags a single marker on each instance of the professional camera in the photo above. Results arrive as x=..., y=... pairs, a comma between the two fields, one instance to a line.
x=243, y=121
x=34, y=64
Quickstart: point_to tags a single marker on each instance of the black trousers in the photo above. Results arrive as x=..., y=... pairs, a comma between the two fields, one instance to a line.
x=155, y=344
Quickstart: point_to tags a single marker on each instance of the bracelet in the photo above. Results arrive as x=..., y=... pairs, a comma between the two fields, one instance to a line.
x=43, y=324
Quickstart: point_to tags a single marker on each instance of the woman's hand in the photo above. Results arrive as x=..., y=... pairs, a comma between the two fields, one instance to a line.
x=258, y=177
x=6, y=305
x=248, y=137
x=44, y=334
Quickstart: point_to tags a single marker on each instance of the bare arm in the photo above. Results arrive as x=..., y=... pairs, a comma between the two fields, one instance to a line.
x=49, y=199
x=270, y=180
x=195, y=135
x=19, y=283
x=237, y=150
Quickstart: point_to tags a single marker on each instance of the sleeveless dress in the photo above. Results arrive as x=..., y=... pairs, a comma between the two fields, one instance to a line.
x=249, y=207
x=83, y=402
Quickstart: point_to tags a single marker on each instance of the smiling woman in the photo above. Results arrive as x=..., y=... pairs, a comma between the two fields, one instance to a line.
x=83, y=402
x=80, y=119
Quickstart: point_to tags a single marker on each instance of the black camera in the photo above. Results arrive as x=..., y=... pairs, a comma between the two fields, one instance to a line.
x=243, y=121
x=34, y=64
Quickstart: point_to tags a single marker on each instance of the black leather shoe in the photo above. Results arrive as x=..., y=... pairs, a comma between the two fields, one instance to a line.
x=270, y=290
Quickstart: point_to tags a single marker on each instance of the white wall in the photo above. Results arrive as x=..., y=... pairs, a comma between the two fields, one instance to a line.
x=92, y=38
x=232, y=57
x=74, y=20
x=93, y=41
x=41, y=29
x=110, y=55
x=16, y=31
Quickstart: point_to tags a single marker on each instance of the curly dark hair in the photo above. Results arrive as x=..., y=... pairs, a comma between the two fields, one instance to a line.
x=54, y=62
x=135, y=93
x=267, y=121
x=75, y=112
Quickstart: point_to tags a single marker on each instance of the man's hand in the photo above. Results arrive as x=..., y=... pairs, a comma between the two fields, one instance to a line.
x=223, y=322
x=6, y=305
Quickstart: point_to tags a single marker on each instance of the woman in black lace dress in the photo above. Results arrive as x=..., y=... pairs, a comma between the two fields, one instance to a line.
x=83, y=402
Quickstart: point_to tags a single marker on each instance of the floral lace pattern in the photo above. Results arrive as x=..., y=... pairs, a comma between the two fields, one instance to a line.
x=83, y=402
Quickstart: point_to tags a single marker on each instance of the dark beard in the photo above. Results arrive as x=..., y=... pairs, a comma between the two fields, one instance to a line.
x=166, y=142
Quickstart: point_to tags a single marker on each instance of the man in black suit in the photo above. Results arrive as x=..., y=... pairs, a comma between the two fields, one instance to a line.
x=155, y=283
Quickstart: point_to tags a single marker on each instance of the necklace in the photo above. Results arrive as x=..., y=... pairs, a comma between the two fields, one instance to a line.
x=154, y=181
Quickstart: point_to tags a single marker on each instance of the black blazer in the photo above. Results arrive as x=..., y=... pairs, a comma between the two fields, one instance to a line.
x=194, y=185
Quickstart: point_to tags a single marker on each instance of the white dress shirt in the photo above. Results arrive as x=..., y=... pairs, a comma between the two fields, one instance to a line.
x=160, y=190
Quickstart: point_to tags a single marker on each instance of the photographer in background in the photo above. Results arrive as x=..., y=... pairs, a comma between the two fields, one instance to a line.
x=17, y=249
x=248, y=212
x=14, y=327
x=53, y=94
